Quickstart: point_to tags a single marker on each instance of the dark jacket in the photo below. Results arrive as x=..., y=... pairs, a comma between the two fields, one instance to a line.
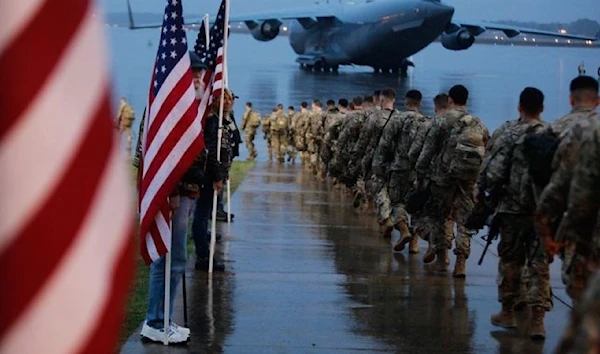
x=217, y=170
x=236, y=137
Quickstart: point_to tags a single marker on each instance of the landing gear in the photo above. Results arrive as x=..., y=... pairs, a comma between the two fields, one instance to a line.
x=404, y=67
x=335, y=68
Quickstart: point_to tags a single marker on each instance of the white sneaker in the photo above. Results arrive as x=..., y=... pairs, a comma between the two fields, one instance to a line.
x=183, y=330
x=158, y=335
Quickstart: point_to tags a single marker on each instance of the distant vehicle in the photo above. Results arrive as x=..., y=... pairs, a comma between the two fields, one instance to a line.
x=378, y=33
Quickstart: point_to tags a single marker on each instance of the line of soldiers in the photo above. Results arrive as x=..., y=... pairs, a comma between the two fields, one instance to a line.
x=536, y=185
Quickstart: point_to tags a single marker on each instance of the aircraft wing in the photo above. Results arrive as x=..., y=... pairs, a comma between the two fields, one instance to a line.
x=477, y=28
x=307, y=17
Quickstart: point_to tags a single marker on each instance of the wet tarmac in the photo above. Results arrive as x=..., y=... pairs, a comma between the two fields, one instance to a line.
x=308, y=274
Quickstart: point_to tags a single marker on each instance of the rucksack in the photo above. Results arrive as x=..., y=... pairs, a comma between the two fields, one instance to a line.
x=469, y=149
x=539, y=150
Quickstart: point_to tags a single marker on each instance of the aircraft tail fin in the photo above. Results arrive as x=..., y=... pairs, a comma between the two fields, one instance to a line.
x=130, y=13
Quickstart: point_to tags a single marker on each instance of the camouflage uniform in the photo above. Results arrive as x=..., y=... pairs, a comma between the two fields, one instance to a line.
x=266, y=128
x=452, y=191
x=365, y=147
x=250, y=123
x=392, y=165
x=314, y=137
x=300, y=131
x=331, y=129
x=291, y=137
x=506, y=169
x=350, y=132
x=553, y=200
x=279, y=134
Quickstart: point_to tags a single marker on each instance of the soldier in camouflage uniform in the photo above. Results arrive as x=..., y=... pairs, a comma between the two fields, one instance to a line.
x=314, y=135
x=393, y=168
x=582, y=333
x=250, y=123
x=300, y=130
x=266, y=128
x=279, y=133
x=552, y=202
x=363, y=153
x=505, y=177
x=291, y=137
x=334, y=118
x=348, y=130
x=456, y=169
x=422, y=222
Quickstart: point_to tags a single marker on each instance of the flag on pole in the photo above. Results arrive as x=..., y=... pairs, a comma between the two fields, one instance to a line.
x=65, y=210
x=172, y=133
x=212, y=54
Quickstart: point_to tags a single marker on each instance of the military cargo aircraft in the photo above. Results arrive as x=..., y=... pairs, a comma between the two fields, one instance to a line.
x=380, y=34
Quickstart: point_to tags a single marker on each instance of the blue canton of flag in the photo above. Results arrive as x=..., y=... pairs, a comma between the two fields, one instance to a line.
x=200, y=47
x=173, y=43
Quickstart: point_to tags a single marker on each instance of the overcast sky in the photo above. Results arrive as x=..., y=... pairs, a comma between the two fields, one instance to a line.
x=520, y=10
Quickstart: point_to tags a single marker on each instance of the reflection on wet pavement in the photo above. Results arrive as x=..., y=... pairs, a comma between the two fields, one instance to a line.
x=308, y=274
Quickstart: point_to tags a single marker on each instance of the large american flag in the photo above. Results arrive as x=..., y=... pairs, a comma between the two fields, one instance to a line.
x=172, y=133
x=65, y=205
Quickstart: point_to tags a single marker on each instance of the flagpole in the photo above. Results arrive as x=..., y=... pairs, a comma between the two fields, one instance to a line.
x=226, y=80
x=213, y=233
x=206, y=29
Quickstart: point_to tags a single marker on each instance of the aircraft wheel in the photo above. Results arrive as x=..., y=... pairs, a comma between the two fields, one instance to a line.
x=318, y=66
x=326, y=67
x=335, y=68
x=309, y=67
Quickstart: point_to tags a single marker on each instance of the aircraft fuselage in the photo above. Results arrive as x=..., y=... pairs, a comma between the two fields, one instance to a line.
x=380, y=34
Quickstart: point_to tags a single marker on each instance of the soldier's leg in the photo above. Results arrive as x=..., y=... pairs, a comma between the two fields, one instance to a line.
x=539, y=295
x=574, y=273
x=510, y=265
x=461, y=208
x=281, y=146
x=384, y=211
x=438, y=209
x=398, y=187
x=449, y=231
x=270, y=148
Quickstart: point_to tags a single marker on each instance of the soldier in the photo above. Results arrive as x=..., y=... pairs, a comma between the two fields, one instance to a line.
x=266, y=128
x=333, y=120
x=581, y=224
x=300, y=130
x=392, y=168
x=314, y=134
x=462, y=138
x=349, y=134
x=291, y=136
x=279, y=133
x=250, y=123
x=506, y=179
x=365, y=148
x=125, y=119
x=552, y=202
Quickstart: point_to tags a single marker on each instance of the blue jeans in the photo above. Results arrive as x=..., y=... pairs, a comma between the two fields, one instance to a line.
x=155, y=316
x=202, y=214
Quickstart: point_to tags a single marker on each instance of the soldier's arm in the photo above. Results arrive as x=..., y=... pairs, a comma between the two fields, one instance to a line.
x=384, y=151
x=363, y=140
x=428, y=149
x=584, y=192
x=416, y=145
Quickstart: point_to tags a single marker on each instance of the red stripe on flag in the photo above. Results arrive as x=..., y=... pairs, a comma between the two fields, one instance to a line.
x=29, y=59
x=58, y=220
x=103, y=337
x=174, y=96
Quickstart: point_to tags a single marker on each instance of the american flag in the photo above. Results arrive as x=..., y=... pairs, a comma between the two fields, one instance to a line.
x=65, y=210
x=172, y=133
x=212, y=55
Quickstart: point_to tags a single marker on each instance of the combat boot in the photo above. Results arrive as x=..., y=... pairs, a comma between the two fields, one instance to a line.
x=413, y=246
x=429, y=255
x=405, y=237
x=536, y=328
x=440, y=264
x=506, y=317
x=459, y=267
x=386, y=228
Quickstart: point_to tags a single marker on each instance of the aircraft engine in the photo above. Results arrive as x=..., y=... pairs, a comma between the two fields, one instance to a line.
x=266, y=31
x=459, y=40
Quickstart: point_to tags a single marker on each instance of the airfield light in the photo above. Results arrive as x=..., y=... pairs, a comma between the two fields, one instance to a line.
x=285, y=28
x=563, y=31
x=569, y=41
x=533, y=39
x=496, y=37
x=556, y=40
x=525, y=39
